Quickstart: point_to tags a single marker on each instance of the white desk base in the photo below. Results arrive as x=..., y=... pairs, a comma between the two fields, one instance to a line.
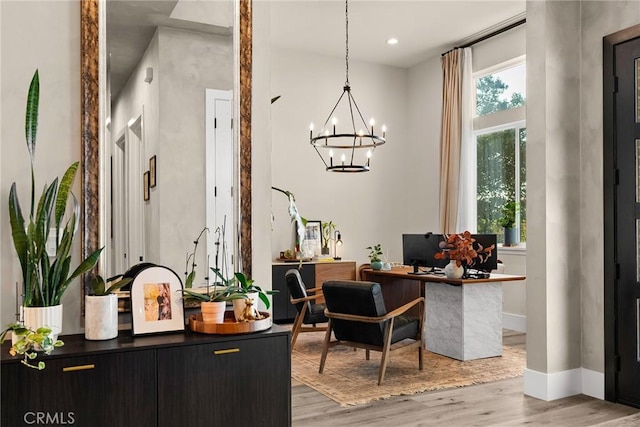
x=464, y=322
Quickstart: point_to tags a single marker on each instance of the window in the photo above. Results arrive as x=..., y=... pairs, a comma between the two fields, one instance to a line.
x=501, y=136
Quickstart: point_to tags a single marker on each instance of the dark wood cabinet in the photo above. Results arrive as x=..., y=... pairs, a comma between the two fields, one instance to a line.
x=160, y=380
x=231, y=383
x=96, y=390
x=313, y=275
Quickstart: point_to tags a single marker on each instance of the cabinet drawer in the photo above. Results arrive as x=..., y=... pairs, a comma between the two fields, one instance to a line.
x=218, y=376
x=97, y=390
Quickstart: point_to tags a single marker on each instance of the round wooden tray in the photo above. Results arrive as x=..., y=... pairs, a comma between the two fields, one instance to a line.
x=230, y=326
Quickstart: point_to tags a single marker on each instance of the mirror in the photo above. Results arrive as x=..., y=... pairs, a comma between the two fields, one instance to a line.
x=96, y=176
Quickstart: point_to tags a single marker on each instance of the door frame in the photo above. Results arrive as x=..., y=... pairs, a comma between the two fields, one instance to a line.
x=609, y=199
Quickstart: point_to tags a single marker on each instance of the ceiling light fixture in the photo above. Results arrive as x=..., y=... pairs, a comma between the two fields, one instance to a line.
x=392, y=41
x=355, y=147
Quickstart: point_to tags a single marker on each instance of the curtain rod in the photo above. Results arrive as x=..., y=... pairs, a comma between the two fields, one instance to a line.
x=488, y=36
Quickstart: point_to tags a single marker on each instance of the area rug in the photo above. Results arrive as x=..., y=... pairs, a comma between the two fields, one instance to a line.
x=349, y=379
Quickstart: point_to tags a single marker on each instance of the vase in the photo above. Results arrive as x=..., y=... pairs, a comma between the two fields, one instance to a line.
x=213, y=312
x=453, y=271
x=51, y=317
x=511, y=236
x=100, y=317
x=376, y=265
x=239, y=306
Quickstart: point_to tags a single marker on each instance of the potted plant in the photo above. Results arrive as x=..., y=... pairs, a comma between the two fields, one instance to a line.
x=101, y=308
x=213, y=303
x=327, y=231
x=374, y=256
x=45, y=275
x=247, y=309
x=28, y=342
x=508, y=221
x=462, y=253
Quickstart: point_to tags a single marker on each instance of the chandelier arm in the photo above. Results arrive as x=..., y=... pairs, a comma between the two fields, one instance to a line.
x=352, y=101
x=334, y=109
x=359, y=113
x=321, y=158
x=353, y=149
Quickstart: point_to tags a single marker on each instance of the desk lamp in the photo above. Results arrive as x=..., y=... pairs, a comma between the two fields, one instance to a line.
x=337, y=242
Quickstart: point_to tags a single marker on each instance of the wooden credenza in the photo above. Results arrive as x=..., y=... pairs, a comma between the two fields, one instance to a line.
x=162, y=380
x=314, y=274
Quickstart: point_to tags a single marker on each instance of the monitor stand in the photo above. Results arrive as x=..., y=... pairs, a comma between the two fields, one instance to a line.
x=416, y=271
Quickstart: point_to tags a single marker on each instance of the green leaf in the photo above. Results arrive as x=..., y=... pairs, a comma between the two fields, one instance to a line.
x=264, y=299
x=17, y=229
x=119, y=284
x=84, y=266
x=31, y=120
x=63, y=192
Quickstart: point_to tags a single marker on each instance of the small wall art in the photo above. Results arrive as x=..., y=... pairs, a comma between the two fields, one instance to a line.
x=152, y=171
x=145, y=186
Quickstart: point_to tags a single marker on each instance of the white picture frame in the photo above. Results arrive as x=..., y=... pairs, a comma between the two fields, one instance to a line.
x=156, y=301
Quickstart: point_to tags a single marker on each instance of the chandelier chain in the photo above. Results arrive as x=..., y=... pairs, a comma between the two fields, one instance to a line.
x=346, y=57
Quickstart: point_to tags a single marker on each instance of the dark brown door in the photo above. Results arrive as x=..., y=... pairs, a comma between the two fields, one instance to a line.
x=626, y=155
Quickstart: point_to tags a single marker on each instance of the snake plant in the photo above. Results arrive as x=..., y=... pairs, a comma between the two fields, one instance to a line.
x=45, y=278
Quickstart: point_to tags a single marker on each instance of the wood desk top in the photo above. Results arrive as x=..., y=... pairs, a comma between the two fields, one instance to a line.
x=404, y=273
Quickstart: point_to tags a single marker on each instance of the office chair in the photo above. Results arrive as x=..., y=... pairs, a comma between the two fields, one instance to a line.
x=310, y=311
x=358, y=318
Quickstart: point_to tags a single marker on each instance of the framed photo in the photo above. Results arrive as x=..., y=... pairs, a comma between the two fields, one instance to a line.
x=145, y=186
x=312, y=245
x=152, y=172
x=156, y=301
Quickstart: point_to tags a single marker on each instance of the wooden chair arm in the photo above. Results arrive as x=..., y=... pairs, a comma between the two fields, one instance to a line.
x=379, y=319
x=307, y=298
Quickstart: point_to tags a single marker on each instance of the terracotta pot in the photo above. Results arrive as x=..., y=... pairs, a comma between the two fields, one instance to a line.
x=213, y=312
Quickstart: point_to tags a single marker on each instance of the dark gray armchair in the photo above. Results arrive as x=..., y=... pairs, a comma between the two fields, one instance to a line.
x=310, y=311
x=358, y=318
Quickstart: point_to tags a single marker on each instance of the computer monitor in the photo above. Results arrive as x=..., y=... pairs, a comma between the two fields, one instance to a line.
x=419, y=250
x=488, y=263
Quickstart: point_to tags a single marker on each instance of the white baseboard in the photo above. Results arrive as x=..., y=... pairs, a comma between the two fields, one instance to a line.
x=593, y=383
x=563, y=384
x=515, y=322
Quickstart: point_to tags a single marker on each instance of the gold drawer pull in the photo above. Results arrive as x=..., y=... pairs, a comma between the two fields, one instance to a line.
x=78, y=368
x=226, y=351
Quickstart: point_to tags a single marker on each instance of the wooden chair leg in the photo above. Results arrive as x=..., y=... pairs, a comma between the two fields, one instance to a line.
x=366, y=353
x=325, y=347
x=420, y=358
x=297, y=325
x=385, y=350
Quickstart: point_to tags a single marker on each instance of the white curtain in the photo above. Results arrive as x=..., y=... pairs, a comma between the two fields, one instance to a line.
x=467, y=208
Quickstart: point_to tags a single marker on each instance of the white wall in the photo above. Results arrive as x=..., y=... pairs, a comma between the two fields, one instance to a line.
x=54, y=48
x=368, y=208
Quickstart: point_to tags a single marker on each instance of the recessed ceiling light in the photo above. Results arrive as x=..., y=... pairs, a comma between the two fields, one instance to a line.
x=392, y=41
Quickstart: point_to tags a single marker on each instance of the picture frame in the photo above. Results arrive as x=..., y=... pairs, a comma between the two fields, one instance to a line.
x=145, y=186
x=152, y=171
x=157, y=305
x=312, y=245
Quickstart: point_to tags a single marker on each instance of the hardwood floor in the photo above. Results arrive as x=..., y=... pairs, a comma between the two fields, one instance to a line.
x=500, y=403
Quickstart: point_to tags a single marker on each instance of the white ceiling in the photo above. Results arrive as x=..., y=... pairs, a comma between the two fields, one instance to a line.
x=424, y=28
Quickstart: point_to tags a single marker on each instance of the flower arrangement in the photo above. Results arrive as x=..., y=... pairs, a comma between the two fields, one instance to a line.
x=461, y=249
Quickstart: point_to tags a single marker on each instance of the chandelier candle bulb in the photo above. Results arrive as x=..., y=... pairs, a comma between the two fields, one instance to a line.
x=334, y=121
x=330, y=157
x=384, y=130
x=311, y=131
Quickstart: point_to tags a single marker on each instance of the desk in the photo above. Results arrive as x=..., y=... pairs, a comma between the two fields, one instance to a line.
x=463, y=317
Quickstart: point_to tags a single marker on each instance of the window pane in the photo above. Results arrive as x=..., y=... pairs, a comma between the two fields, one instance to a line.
x=501, y=91
x=496, y=178
x=523, y=184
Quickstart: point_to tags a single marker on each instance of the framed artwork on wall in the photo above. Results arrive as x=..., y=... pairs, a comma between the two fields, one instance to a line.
x=156, y=301
x=145, y=186
x=312, y=245
x=152, y=171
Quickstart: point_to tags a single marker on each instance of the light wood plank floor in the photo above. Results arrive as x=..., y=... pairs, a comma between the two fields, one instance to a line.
x=501, y=403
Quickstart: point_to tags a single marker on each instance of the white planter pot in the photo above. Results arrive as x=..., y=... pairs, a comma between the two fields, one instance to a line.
x=239, y=306
x=213, y=312
x=100, y=317
x=51, y=317
x=452, y=271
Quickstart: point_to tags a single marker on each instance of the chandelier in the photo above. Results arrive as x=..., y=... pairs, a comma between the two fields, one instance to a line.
x=350, y=149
